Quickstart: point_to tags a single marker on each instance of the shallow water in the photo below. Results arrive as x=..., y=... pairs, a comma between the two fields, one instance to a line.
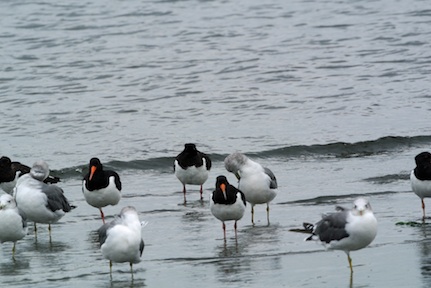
x=332, y=96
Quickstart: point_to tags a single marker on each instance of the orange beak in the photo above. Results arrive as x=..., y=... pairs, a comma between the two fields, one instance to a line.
x=223, y=189
x=92, y=170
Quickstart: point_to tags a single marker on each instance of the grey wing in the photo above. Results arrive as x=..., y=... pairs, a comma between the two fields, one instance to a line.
x=273, y=183
x=56, y=198
x=332, y=227
x=340, y=208
x=103, y=230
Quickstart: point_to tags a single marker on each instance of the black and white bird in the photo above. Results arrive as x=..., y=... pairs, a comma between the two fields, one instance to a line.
x=13, y=223
x=258, y=183
x=346, y=230
x=192, y=167
x=101, y=187
x=10, y=171
x=41, y=202
x=121, y=239
x=420, y=178
x=227, y=203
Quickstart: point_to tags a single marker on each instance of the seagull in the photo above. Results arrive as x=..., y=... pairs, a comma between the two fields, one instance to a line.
x=13, y=224
x=227, y=203
x=192, y=167
x=420, y=178
x=101, y=187
x=256, y=182
x=41, y=202
x=11, y=171
x=346, y=230
x=121, y=240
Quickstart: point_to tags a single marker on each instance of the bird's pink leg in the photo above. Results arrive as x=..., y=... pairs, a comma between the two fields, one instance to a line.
x=201, y=191
x=184, y=192
x=423, y=209
x=234, y=226
x=102, y=215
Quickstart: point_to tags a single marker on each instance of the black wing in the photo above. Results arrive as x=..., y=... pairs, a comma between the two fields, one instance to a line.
x=110, y=173
x=207, y=160
x=141, y=247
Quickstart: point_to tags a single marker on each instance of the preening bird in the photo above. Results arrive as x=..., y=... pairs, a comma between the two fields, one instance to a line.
x=258, y=183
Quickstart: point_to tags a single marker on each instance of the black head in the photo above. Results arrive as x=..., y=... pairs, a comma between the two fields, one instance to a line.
x=221, y=180
x=94, y=166
x=95, y=162
x=190, y=147
x=423, y=159
x=5, y=161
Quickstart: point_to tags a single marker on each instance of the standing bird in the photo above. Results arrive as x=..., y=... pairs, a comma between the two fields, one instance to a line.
x=227, y=203
x=121, y=240
x=191, y=167
x=13, y=224
x=256, y=182
x=346, y=230
x=41, y=202
x=101, y=187
x=11, y=171
x=420, y=178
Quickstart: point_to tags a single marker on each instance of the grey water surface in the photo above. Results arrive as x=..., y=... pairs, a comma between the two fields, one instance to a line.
x=333, y=96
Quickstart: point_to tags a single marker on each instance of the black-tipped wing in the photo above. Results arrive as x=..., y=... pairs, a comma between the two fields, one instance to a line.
x=52, y=179
x=141, y=247
x=273, y=183
x=56, y=198
x=332, y=227
x=103, y=230
x=243, y=198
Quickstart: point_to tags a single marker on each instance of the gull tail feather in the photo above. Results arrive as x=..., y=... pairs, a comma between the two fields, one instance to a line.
x=308, y=229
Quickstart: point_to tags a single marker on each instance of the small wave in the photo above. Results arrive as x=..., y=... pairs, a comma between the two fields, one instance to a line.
x=332, y=199
x=390, y=178
x=384, y=145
